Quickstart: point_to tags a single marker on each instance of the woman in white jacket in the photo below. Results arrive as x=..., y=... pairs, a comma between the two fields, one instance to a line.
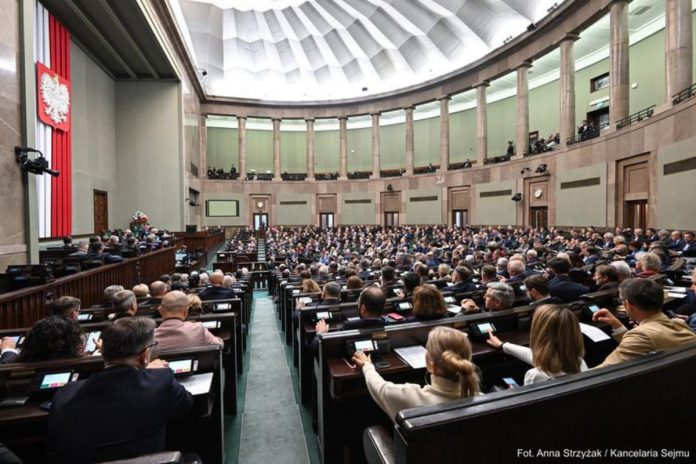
x=448, y=360
x=556, y=345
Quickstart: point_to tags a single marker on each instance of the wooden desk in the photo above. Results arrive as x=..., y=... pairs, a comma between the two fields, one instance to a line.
x=21, y=308
x=202, y=240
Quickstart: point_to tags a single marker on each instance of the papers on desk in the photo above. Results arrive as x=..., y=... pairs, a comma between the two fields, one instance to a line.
x=676, y=295
x=454, y=309
x=198, y=384
x=593, y=333
x=414, y=356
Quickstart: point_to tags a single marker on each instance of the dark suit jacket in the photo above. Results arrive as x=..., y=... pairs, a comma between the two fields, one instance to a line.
x=118, y=413
x=608, y=286
x=565, y=289
x=216, y=293
x=8, y=357
x=461, y=287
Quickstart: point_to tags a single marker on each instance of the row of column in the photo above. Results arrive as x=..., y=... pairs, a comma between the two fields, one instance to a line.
x=679, y=57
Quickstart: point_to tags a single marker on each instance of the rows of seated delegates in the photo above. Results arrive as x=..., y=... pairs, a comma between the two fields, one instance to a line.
x=124, y=409
x=440, y=273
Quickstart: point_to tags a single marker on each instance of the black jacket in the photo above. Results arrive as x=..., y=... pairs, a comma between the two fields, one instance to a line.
x=216, y=293
x=118, y=413
x=565, y=289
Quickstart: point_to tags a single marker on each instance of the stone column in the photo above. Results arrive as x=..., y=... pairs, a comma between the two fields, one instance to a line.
x=310, y=148
x=481, y=124
x=618, y=54
x=375, y=146
x=444, y=133
x=522, y=135
x=567, y=88
x=241, y=130
x=409, y=140
x=276, y=149
x=678, y=46
x=342, y=147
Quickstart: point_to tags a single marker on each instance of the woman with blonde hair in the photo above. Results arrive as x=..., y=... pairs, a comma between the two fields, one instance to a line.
x=555, y=345
x=195, y=304
x=428, y=303
x=448, y=361
x=443, y=272
x=310, y=286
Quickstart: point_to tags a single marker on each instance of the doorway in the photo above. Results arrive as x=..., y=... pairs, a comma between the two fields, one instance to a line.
x=391, y=219
x=326, y=220
x=101, y=211
x=539, y=217
x=460, y=217
x=260, y=221
x=635, y=213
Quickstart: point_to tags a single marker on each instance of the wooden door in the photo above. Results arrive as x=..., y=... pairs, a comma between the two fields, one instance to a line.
x=539, y=217
x=101, y=211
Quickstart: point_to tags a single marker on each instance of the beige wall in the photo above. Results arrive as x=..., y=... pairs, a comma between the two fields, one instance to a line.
x=149, y=153
x=499, y=210
x=12, y=197
x=357, y=213
x=294, y=214
x=94, y=140
x=676, y=208
x=424, y=212
x=582, y=206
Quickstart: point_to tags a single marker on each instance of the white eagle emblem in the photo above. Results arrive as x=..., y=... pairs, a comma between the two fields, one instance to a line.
x=56, y=98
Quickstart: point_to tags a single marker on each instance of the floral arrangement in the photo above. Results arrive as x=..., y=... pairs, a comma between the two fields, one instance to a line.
x=140, y=218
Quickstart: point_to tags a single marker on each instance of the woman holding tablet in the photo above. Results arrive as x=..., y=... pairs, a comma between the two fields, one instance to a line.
x=556, y=346
x=448, y=361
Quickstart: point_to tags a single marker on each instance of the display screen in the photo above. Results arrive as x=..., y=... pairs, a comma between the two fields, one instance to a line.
x=223, y=307
x=404, y=306
x=211, y=324
x=449, y=299
x=180, y=256
x=485, y=327
x=222, y=208
x=594, y=308
x=323, y=315
x=91, y=345
x=54, y=380
x=296, y=291
x=84, y=317
x=364, y=345
x=183, y=366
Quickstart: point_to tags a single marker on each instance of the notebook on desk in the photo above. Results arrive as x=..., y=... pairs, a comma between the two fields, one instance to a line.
x=414, y=356
x=198, y=384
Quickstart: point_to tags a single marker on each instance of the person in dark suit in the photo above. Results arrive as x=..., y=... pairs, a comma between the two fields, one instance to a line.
x=676, y=241
x=122, y=411
x=561, y=286
x=689, y=247
x=538, y=291
x=606, y=277
x=217, y=291
x=97, y=252
x=461, y=278
x=517, y=271
x=124, y=304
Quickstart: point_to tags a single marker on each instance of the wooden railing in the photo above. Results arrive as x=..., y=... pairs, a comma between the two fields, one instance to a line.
x=203, y=240
x=21, y=308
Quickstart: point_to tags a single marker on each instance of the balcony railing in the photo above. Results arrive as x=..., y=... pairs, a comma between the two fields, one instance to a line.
x=359, y=175
x=684, y=94
x=497, y=159
x=293, y=177
x=463, y=165
x=636, y=117
x=426, y=169
x=219, y=174
x=326, y=176
x=588, y=134
x=392, y=172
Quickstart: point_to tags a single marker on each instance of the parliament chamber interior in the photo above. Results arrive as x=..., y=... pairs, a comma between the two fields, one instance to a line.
x=347, y=231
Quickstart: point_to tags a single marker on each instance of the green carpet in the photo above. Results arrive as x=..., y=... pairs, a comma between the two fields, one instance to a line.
x=269, y=427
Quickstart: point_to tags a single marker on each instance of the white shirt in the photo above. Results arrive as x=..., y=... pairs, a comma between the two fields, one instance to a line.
x=533, y=375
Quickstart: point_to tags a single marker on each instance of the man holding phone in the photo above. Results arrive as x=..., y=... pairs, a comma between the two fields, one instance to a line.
x=642, y=299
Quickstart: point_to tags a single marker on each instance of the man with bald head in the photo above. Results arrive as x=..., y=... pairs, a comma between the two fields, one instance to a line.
x=175, y=331
x=217, y=291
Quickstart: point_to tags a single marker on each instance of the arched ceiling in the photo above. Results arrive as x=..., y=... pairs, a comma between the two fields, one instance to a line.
x=317, y=50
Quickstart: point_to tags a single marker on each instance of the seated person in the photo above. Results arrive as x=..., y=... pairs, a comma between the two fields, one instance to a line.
x=124, y=304
x=175, y=331
x=109, y=293
x=606, y=277
x=538, y=291
x=498, y=296
x=354, y=283
x=97, y=252
x=310, y=286
x=642, y=299
x=489, y=274
x=82, y=249
x=122, y=410
x=330, y=296
x=561, y=285
x=8, y=350
x=217, y=291
x=555, y=348
x=461, y=278
x=428, y=303
x=448, y=361
x=516, y=270
x=141, y=291
x=370, y=309
x=648, y=264
x=157, y=291
x=411, y=281
x=688, y=304
x=66, y=306
x=195, y=304
x=54, y=337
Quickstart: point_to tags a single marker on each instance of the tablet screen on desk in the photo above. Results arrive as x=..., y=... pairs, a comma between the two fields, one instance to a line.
x=84, y=317
x=364, y=345
x=182, y=366
x=91, y=344
x=405, y=306
x=323, y=315
x=223, y=307
x=57, y=380
x=485, y=327
x=211, y=324
x=449, y=299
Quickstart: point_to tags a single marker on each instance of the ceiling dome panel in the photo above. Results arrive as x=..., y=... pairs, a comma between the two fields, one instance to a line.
x=314, y=50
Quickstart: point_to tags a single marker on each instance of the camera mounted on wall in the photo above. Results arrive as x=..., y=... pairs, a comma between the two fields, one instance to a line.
x=37, y=165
